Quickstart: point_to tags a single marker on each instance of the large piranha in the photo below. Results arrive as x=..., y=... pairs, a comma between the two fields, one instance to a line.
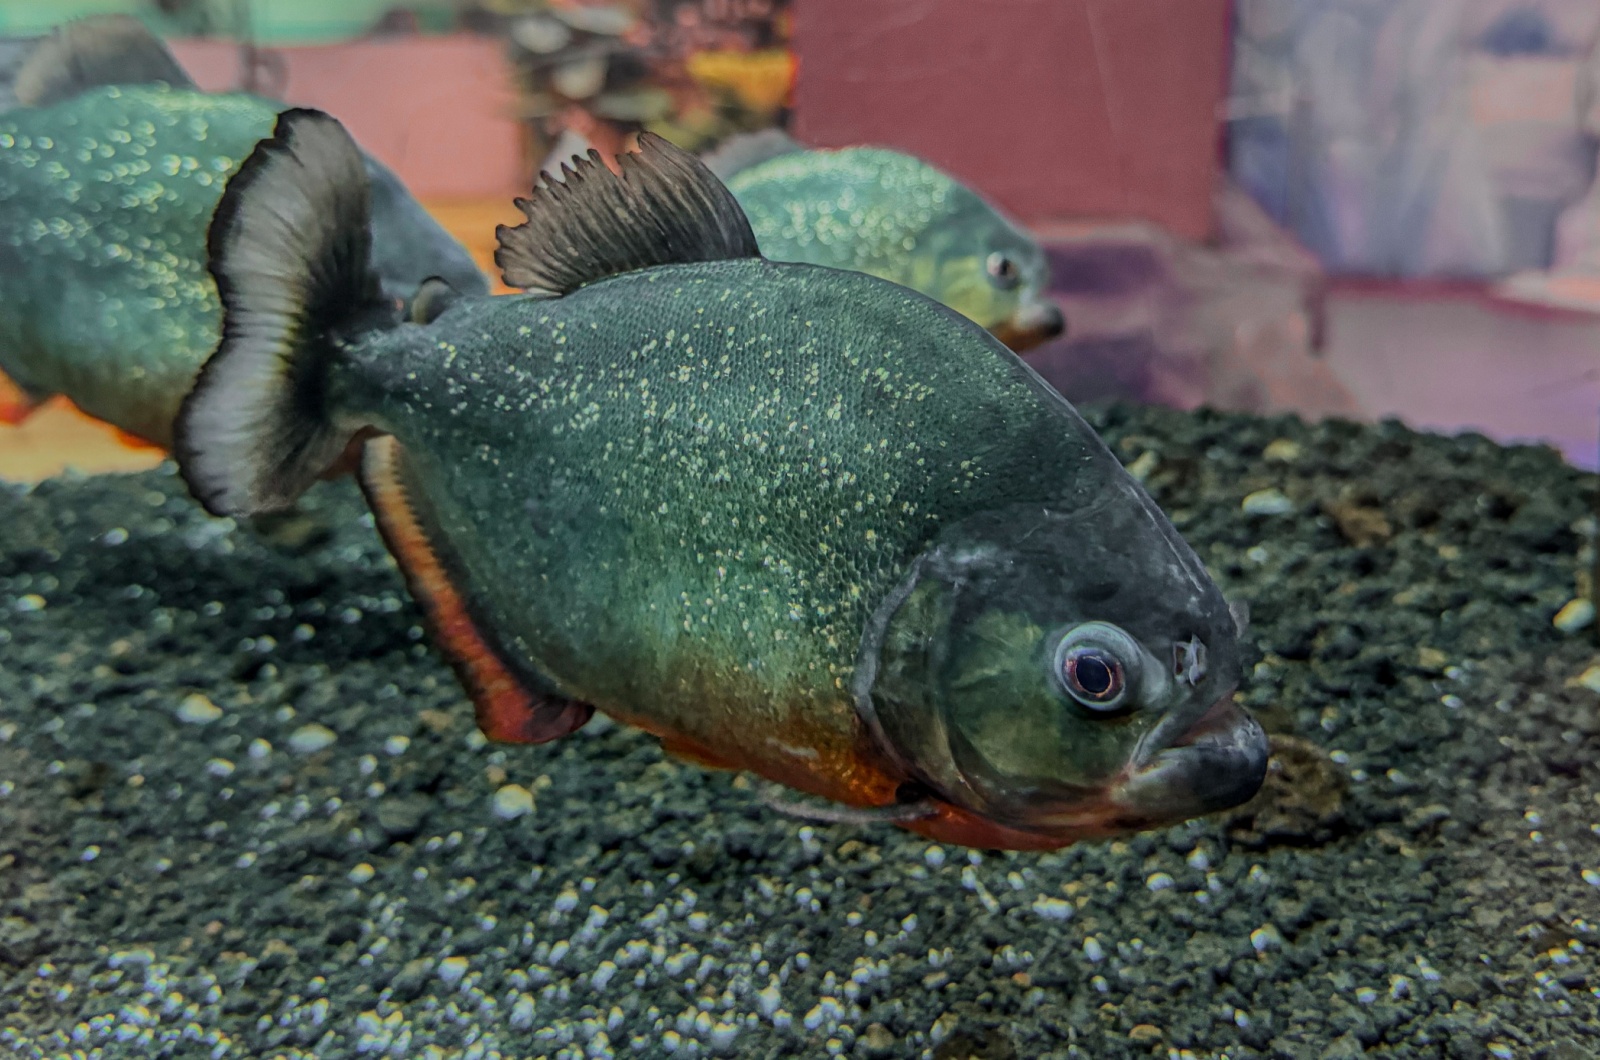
x=788, y=518
x=109, y=174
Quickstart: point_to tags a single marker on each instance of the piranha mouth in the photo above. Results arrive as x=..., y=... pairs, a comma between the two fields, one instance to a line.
x=1185, y=767
x=1216, y=762
x=1033, y=325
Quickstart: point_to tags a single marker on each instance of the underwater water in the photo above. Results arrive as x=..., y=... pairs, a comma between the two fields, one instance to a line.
x=246, y=812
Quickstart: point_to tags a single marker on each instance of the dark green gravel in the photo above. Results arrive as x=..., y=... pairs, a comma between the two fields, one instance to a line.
x=223, y=886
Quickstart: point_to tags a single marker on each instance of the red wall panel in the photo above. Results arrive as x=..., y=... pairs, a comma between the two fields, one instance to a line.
x=1054, y=108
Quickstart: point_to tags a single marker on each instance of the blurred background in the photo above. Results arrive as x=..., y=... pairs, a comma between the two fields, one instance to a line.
x=1363, y=208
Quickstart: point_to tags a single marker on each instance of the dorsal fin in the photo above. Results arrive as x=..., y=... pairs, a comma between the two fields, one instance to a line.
x=665, y=208
x=738, y=153
x=102, y=50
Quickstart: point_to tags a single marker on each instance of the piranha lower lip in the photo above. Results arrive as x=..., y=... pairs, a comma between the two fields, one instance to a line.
x=1034, y=325
x=1217, y=762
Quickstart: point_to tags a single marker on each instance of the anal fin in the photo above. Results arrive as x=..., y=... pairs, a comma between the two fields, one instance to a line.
x=510, y=706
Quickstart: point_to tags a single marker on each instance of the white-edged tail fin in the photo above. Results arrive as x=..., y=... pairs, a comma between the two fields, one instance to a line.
x=289, y=248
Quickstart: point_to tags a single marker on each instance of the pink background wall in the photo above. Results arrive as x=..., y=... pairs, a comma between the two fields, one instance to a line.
x=1053, y=108
x=436, y=109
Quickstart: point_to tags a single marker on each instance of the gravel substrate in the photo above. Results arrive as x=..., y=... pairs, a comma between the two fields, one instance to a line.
x=244, y=811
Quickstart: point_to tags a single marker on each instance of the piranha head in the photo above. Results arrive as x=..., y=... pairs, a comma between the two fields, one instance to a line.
x=1045, y=676
x=990, y=271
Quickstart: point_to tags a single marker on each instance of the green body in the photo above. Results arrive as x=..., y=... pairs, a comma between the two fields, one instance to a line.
x=681, y=493
x=896, y=217
x=104, y=204
x=105, y=201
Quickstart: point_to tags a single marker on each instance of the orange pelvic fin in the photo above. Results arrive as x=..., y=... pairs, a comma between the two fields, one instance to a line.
x=133, y=441
x=510, y=706
x=689, y=751
x=16, y=404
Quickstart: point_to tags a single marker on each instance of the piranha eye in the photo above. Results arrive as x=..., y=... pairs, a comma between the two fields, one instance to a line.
x=1003, y=271
x=1093, y=663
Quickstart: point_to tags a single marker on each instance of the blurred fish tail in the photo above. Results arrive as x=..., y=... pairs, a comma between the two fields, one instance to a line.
x=738, y=153
x=289, y=248
x=102, y=50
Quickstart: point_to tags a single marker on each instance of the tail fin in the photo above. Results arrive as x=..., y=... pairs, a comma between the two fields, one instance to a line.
x=101, y=50
x=289, y=248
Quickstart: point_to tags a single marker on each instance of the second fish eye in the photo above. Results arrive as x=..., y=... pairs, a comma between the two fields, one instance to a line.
x=1003, y=271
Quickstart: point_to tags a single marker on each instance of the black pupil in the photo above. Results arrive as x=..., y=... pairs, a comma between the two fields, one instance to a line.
x=1093, y=675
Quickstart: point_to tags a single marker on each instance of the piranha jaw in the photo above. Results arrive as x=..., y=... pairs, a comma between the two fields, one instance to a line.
x=1218, y=762
x=1033, y=324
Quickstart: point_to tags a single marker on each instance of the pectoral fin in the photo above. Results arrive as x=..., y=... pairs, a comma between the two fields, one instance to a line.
x=512, y=706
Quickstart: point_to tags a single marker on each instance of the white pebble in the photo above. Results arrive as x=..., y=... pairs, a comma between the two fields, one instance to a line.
x=362, y=873
x=602, y=975
x=396, y=745
x=259, y=749
x=219, y=767
x=1158, y=881
x=1265, y=938
x=309, y=739
x=522, y=1012
x=198, y=710
x=934, y=856
x=452, y=970
x=1266, y=502
x=513, y=801
x=768, y=999
x=1093, y=950
x=1574, y=615
x=1053, y=908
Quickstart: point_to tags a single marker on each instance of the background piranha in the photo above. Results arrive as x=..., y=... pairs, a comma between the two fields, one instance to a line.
x=892, y=215
x=109, y=174
x=788, y=518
